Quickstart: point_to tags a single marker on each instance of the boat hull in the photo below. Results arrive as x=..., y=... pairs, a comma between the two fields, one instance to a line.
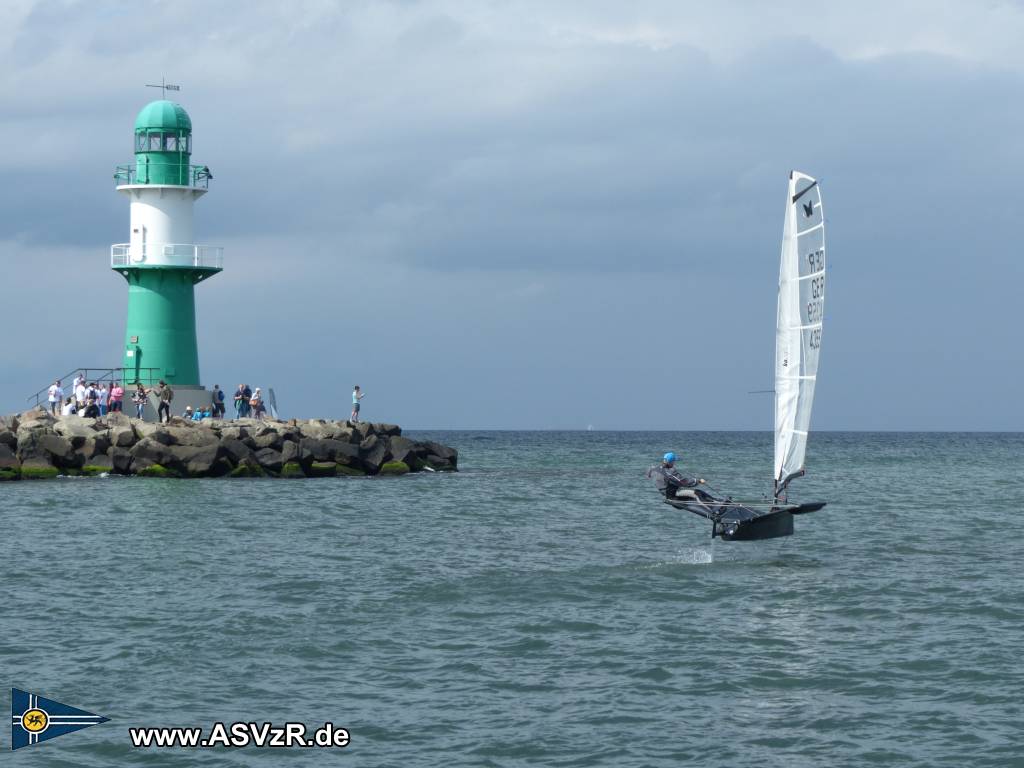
x=770, y=526
x=735, y=522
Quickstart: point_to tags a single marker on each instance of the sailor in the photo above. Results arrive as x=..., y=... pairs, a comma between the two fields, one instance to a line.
x=670, y=482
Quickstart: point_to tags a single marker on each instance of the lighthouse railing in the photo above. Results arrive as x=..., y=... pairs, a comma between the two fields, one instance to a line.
x=167, y=255
x=199, y=175
x=127, y=376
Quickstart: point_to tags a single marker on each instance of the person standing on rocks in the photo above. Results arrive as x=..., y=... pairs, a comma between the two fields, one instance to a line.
x=356, y=397
x=55, y=394
x=246, y=401
x=139, y=399
x=80, y=394
x=165, y=395
x=256, y=403
x=116, y=398
x=218, y=402
x=103, y=398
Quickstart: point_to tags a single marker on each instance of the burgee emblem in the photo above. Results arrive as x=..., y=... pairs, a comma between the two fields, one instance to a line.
x=35, y=719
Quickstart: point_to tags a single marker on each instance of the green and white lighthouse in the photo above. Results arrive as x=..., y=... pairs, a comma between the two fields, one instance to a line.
x=161, y=261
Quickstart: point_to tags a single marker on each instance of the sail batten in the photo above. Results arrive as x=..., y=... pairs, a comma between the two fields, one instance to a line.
x=798, y=326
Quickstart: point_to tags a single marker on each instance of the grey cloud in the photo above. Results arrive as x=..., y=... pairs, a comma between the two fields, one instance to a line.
x=536, y=195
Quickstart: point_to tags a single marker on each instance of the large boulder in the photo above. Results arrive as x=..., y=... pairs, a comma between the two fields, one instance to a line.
x=27, y=428
x=8, y=437
x=270, y=459
x=296, y=453
x=200, y=461
x=101, y=443
x=115, y=419
x=235, y=450
x=38, y=469
x=313, y=428
x=362, y=429
x=373, y=452
x=76, y=429
x=403, y=449
x=122, y=460
x=146, y=428
x=234, y=432
x=98, y=464
x=36, y=414
x=388, y=430
x=440, y=456
x=288, y=432
x=336, y=430
x=149, y=451
x=443, y=451
x=46, y=447
x=326, y=449
x=188, y=460
x=193, y=436
x=123, y=436
x=8, y=460
x=269, y=439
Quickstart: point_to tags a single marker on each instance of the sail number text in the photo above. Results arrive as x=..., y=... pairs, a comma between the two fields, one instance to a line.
x=815, y=307
x=817, y=260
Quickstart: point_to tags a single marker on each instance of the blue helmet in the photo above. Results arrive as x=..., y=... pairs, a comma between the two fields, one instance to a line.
x=670, y=457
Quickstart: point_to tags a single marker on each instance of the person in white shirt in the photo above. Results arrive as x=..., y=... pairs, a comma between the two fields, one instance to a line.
x=69, y=407
x=101, y=398
x=80, y=394
x=357, y=395
x=55, y=395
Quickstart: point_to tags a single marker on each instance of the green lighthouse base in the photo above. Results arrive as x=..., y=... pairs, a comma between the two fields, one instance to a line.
x=160, y=340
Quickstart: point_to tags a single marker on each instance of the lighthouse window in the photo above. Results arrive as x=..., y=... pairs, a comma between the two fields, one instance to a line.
x=140, y=142
x=154, y=141
x=171, y=143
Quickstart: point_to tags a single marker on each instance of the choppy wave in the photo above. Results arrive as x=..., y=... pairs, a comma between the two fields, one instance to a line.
x=541, y=608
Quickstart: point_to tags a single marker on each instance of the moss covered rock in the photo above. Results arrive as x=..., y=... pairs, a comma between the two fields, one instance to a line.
x=247, y=468
x=38, y=472
x=292, y=469
x=157, y=470
x=92, y=470
x=394, y=468
x=322, y=469
x=350, y=471
x=12, y=473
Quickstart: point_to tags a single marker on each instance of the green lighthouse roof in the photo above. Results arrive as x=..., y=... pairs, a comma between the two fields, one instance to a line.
x=163, y=115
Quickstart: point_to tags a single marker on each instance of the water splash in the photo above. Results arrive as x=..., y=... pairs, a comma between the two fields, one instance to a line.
x=696, y=556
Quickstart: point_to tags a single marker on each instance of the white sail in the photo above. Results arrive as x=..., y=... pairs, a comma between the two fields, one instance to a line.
x=798, y=324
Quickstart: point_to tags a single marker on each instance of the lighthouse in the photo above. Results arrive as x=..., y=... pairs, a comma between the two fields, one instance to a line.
x=161, y=261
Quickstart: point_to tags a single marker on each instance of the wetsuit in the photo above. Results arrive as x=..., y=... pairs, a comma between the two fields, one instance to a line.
x=668, y=480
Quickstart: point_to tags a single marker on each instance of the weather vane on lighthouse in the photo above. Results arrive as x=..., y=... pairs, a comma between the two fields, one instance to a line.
x=164, y=86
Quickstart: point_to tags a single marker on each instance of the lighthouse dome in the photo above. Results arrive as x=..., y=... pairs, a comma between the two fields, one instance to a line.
x=163, y=115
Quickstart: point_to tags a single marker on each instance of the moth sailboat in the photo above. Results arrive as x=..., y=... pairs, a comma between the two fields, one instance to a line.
x=797, y=349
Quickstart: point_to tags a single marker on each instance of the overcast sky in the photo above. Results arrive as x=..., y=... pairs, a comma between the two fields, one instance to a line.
x=529, y=215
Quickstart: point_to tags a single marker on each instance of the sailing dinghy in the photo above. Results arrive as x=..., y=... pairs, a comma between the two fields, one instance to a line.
x=797, y=349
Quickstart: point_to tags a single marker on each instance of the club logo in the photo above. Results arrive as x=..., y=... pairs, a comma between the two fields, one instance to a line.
x=808, y=209
x=35, y=719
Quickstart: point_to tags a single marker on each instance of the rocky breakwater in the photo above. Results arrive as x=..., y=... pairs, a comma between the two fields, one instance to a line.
x=35, y=445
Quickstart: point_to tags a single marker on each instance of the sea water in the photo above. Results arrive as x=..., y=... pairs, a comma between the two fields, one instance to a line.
x=540, y=607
